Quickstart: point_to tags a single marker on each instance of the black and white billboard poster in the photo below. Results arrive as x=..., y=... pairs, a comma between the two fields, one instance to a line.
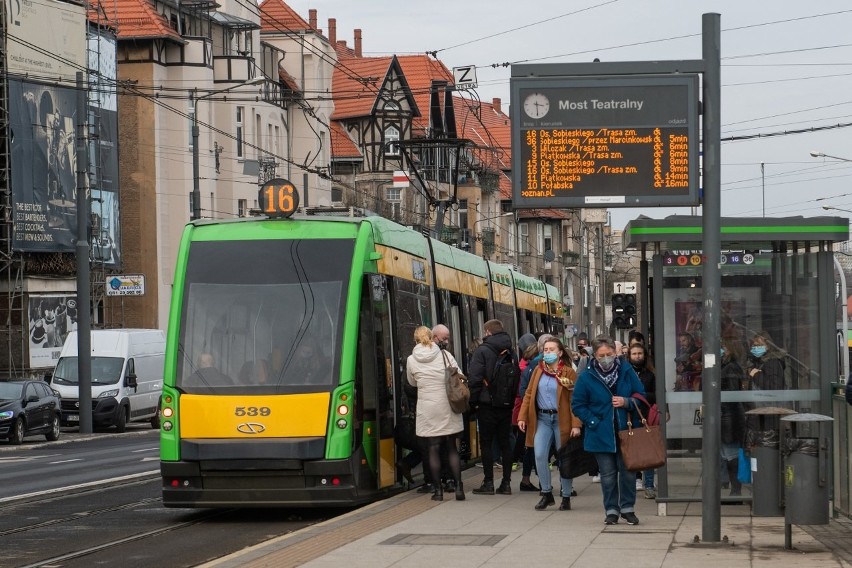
x=51, y=318
x=105, y=234
x=44, y=159
x=103, y=152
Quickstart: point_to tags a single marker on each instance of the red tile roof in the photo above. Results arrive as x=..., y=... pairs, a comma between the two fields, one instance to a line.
x=419, y=71
x=138, y=19
x=97, y=15
x=288, y=80
x=278, y=17
x=341, y=145
x=489, y=129
x=355, y=85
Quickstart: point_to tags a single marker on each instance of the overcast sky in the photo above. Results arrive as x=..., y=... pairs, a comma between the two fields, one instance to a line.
x=786, y=65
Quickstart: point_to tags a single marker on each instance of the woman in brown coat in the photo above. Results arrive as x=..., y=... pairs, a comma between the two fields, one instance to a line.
x=546, y=416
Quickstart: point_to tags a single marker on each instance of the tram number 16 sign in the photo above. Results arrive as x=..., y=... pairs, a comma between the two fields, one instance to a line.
x=278, y=198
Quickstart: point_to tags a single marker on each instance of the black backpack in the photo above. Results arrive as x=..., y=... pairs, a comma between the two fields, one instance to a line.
x=503, y=385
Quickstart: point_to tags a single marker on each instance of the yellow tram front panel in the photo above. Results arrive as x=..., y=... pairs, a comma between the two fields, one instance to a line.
x=267, y=416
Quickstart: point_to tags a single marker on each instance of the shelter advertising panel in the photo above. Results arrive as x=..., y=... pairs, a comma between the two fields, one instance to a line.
x=605, y=141
x=51, y=318
x=43, y=123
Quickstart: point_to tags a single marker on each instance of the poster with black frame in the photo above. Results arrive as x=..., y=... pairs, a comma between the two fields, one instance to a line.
x=103, y=151
x=51, y=318
x=43, y=123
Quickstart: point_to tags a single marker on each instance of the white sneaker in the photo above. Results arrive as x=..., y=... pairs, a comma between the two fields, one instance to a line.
x=640, y=485
x=596, y=479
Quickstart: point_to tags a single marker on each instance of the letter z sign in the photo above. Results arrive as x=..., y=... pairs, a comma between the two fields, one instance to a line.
x=465, y=77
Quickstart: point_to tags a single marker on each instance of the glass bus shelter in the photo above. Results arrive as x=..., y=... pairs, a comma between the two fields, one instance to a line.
x=777, y=283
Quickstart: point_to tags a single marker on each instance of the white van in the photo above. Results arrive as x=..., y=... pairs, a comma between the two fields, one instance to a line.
x=127, y=377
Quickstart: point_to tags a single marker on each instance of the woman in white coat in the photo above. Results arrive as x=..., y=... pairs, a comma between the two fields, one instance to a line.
x=436, y=422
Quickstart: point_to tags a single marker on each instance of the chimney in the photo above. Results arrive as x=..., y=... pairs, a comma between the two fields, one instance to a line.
x=312, y=18
x=495, y=102
x=357, y=42
x=332, y=31
x=341, y=43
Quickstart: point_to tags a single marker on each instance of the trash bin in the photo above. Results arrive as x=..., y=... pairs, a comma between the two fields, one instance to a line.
x=806, y=470
x=764, y=438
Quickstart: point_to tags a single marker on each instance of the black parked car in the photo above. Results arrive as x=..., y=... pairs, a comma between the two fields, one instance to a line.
x=28, y=408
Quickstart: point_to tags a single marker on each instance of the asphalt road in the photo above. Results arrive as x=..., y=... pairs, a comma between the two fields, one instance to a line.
x=93, y=500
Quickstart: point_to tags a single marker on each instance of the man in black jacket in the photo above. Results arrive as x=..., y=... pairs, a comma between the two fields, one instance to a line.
x=493, y=422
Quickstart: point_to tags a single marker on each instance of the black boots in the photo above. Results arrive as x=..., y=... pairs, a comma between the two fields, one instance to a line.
x=566, y=504
x=438, y=495
x=487, y=488
x=546, y=501
x=459, y=491
x=505, y=488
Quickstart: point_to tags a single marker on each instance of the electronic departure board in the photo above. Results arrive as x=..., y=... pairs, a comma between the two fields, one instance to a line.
x=622, y=141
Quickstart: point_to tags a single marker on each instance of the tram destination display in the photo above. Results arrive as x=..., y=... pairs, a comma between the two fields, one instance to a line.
x=622, y=141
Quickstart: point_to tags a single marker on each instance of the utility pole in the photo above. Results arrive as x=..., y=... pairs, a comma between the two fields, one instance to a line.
x=84, y=319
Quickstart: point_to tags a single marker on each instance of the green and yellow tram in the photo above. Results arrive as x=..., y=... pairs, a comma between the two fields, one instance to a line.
x=286, y=348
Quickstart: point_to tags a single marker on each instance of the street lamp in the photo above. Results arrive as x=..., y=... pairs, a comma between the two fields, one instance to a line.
x=823, y=155
x=196, y=189
x=830, y=208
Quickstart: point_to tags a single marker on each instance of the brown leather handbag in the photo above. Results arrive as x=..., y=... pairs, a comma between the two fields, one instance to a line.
x=642, y=448
x=458, y=393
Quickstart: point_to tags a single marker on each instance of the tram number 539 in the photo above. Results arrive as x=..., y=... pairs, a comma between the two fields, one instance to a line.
x=278, y=198
x=252, y=411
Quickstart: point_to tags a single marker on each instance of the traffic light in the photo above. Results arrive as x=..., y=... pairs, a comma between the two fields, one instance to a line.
x=624, y=311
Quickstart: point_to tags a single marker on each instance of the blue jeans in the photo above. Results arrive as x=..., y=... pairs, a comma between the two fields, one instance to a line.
x=618, y=485
x=546, y=435
x=648, y=477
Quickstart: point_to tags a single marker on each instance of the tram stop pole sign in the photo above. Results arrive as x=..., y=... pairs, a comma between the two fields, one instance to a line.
x=604, y=141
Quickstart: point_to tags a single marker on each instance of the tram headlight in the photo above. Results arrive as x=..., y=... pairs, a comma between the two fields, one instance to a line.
x=343, y=410
x=167, y=426
x=341, y=423
x=168, y=412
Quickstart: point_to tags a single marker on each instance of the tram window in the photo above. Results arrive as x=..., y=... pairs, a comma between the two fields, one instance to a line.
x=271, y=314
x=506, y=315
x=412, y=309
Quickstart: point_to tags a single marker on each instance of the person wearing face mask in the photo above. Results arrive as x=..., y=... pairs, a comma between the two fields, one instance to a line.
x=765, y=364
x=581, y=357
x=602, y=402
x=644, y=368
x=546, y=416
x=441, y=337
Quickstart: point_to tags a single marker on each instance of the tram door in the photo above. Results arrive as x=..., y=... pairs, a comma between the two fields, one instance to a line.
x=378, y=392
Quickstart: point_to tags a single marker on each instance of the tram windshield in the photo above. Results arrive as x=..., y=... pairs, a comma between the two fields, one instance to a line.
x=263, y=317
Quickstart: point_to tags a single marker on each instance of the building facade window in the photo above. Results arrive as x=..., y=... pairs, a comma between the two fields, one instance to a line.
x=258, y=145
x=523, y=238
x=242, y=207
x=547, y=231
x=391, y=141
x=240, y=131
x=394, y=198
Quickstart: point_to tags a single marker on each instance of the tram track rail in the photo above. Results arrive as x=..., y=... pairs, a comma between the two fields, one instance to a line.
x=88, y=551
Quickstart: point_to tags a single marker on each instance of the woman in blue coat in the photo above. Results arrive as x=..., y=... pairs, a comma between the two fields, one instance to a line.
x=601, y=401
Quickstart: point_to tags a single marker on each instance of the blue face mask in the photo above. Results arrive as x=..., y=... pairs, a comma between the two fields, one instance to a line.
x=758, y=350
x=550, y=358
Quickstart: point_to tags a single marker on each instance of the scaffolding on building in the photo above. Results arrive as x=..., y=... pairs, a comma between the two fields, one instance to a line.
x=23, y=274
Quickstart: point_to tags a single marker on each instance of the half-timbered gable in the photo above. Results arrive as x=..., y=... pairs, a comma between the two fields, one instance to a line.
x=374, y=103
